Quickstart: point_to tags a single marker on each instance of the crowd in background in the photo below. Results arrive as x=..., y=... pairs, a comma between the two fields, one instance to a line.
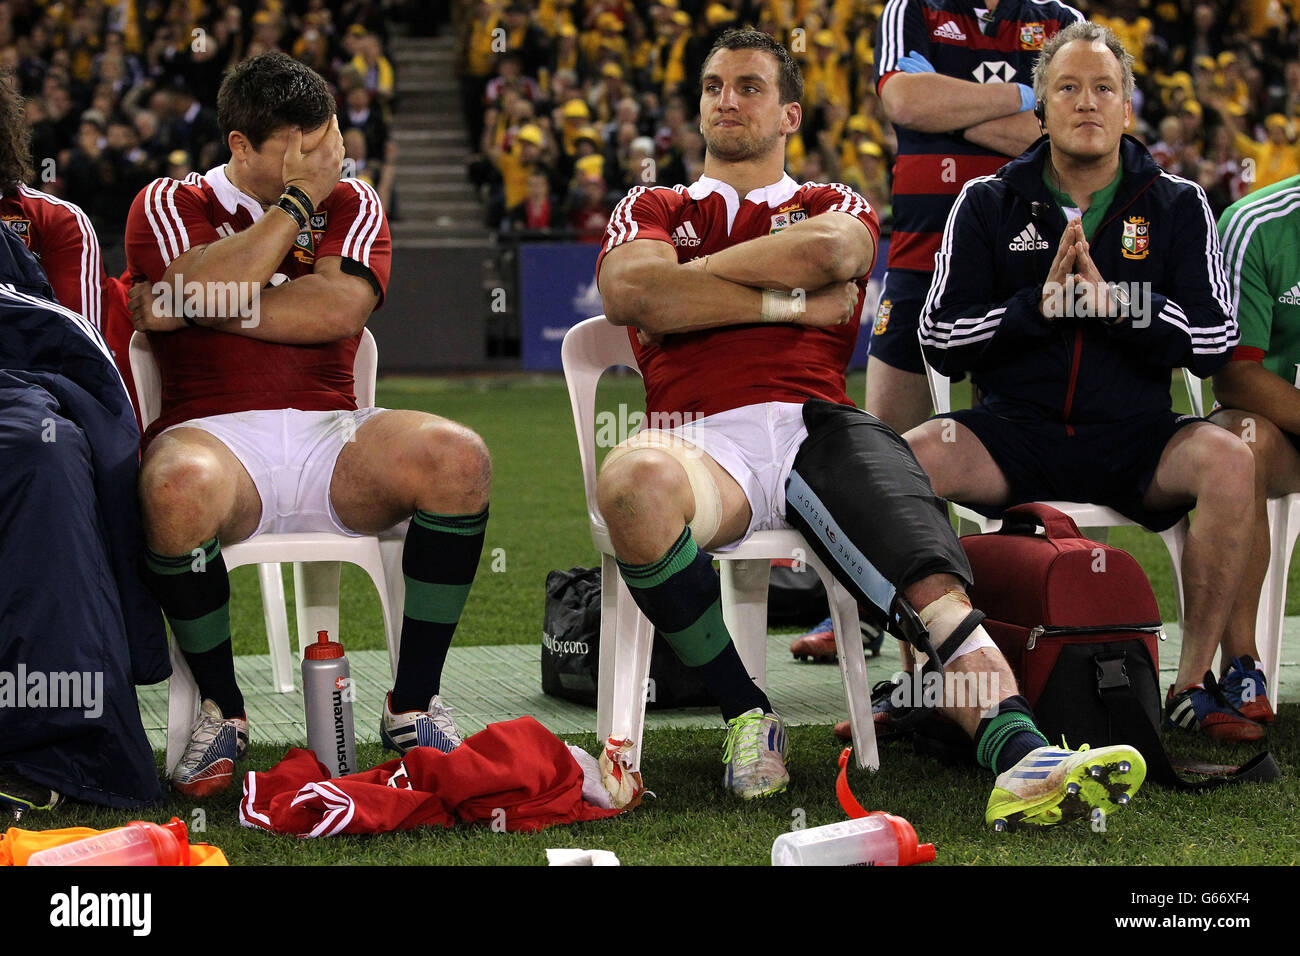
x=570, y=103
x=119, y=93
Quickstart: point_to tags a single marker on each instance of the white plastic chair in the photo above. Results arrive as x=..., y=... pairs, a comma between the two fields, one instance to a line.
x=1284, y=527
x=316, y=561
x=1086, y=516
x=626, y=637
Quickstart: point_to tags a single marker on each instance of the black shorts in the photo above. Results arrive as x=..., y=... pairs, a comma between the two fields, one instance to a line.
x=893, y=336
x=1043, y=462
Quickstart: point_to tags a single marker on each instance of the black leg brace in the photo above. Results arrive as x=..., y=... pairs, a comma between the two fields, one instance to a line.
x=859, y=496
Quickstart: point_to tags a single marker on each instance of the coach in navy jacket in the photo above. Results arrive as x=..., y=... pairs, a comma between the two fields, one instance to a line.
x=77, y=628
x=1156, y=241
x=1069, y=316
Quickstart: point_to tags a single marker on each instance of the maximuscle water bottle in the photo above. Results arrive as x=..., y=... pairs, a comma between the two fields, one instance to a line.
x=139, y=843
x=878, y=839
x=327, y=694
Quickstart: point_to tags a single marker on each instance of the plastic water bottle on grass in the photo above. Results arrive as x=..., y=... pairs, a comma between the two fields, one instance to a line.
x=139, y=843
x=868, y=839
x=327, y=695
x=878, y=839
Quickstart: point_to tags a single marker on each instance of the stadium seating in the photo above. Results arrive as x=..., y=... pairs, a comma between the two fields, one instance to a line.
x=316, y=558
x=1086, y=516
x=589, y=349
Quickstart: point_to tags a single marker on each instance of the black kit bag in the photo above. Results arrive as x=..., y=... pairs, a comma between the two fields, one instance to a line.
x=796, y=596
x=1079, y=625
x=571, y=648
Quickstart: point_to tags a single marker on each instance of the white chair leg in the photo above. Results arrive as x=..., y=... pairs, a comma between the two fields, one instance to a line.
x=1175, y=540
x=1271, y=620
x=375, y=569
x=277, y=626
x=182, y=706
x=391, y=543
x=853, y=669
x=626, y=641
x=608, y=652
x=744, y=610
x=316, y=601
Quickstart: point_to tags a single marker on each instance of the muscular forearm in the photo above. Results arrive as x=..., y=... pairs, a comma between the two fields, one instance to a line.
x=806, y=255
x=662, y=297
x=306, y=311
x=250, y=256
x=934, y=103
x=1008, y=135
x=1252, y=388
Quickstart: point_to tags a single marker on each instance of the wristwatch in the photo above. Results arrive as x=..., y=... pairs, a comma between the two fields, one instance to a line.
x=1120, y=296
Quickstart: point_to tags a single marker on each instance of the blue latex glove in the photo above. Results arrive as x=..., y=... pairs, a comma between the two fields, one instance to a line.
x=915, y=63
x=1027, y=99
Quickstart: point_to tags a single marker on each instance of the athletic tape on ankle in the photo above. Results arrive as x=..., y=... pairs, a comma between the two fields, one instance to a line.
x=708, y=497
x=956, y=629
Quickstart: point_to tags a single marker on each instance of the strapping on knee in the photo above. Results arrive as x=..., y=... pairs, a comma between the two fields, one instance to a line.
x=708, y=496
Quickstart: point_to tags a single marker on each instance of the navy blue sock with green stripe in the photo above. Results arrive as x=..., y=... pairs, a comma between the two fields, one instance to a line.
x=681, y=596
x=193, y=590
x=439, y=559
x=1001, y=741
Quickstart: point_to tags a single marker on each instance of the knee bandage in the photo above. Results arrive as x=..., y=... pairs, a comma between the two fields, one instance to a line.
x=955, y=627
x=708, y=497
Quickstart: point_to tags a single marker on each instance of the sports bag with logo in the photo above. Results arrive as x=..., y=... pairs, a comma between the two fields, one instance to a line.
x=571, y=648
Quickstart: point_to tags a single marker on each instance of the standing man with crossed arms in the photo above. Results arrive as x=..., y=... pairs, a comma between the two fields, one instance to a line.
x=259, y=429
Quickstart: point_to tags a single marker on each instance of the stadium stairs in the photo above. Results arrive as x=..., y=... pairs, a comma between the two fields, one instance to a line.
x=436, y=204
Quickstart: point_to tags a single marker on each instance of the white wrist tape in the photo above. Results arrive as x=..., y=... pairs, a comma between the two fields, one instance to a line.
x=781, y=306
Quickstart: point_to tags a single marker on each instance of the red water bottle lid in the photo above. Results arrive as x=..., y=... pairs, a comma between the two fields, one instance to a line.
x=324, y=649
x=171, y=840
x=909, y=851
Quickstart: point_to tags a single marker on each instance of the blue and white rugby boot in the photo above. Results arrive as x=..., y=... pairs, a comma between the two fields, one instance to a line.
x=408, y=729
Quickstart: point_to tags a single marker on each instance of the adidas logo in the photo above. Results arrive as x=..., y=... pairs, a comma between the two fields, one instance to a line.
x=949, y=30
x=684, y=235
x=1028, y=241
x=1291, y=297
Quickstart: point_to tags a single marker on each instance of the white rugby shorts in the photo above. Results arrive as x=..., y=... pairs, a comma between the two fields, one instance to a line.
x=756, y=445
x=290, y=455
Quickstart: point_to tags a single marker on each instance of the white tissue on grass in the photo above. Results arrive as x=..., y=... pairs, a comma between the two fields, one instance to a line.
x=568, y=857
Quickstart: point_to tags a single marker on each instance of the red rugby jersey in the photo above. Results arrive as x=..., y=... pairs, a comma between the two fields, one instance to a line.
x=711, y=371
x=206, y=372
x=60, y=235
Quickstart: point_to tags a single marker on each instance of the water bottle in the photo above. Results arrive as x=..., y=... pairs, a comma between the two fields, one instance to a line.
x=139, y=843
x=327, y=694
x=878, y=839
